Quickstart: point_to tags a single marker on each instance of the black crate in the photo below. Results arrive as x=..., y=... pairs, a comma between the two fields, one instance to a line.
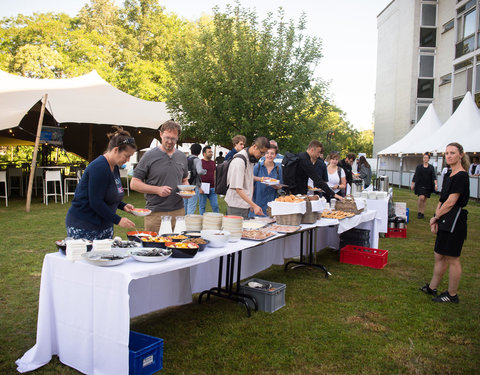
x=356, y=234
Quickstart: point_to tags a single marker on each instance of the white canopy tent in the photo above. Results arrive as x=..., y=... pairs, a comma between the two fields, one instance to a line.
x=398, y=159
x=74, y=103
x=462, y=127
x=414, y=141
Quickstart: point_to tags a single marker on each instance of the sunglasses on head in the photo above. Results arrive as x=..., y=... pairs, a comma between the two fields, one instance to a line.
x=127, y=141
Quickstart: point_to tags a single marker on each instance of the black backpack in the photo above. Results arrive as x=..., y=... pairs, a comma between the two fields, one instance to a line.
x=221, y=173
x=289, y=169
x=193, y=171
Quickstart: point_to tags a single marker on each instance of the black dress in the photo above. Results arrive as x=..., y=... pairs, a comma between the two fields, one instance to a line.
x=424, y=179
x=451, y=243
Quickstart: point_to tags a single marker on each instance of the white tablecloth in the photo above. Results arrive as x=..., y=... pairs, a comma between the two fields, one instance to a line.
x=84, y=311
x=381, y=208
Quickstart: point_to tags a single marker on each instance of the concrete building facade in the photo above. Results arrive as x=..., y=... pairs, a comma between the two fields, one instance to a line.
x=428, y=52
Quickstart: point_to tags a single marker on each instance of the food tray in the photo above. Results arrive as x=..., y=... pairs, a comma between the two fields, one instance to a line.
x=251, y=224
x=259, y=240
x=294, y=228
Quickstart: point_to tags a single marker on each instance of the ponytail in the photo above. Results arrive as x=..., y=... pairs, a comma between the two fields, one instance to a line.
x=121, y=139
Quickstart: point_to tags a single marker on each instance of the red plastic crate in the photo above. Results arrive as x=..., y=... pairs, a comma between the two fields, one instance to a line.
x=396, y=233
x=364, y=256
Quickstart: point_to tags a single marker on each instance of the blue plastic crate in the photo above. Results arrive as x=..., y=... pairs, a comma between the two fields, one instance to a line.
x=145, y=355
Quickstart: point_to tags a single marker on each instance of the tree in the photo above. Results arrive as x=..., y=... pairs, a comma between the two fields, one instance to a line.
x=242, y=77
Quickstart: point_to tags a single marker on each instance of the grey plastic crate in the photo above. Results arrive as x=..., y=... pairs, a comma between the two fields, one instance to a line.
x=268, y=300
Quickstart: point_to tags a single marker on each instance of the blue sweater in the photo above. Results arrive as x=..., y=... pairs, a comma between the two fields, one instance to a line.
x=97, y=197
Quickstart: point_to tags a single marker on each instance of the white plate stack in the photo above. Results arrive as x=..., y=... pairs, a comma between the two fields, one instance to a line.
x=234, y=225
x=75, y=249
x=193, y=222
x=212, y=220
x=102, y=245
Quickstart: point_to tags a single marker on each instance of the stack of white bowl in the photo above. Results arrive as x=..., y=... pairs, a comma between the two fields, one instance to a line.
x=193, y=222
x=234, y=225
x=212, y=220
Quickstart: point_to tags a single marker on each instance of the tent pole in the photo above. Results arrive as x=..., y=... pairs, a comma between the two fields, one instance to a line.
x=35, y=151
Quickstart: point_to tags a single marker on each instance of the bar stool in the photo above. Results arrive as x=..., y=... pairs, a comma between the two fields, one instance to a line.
x=124, y=174
x=15, y=173
x=38, y=175
x=67, y=181
x=3, y=178
x=52, y=176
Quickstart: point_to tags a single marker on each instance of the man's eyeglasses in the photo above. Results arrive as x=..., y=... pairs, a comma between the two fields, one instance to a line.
x=170, y=139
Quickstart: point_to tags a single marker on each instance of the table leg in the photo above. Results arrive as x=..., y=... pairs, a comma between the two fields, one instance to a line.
x=311, y=250
x=227, y=292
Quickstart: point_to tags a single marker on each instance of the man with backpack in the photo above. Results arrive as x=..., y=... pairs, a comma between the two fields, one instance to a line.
x=297, y=169
x=195, y=171
x=240, y=179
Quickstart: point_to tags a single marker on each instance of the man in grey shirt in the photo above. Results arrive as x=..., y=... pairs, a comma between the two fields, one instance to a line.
x=158, y=174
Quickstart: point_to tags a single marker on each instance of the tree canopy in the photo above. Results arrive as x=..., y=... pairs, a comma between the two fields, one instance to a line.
x=223, y=75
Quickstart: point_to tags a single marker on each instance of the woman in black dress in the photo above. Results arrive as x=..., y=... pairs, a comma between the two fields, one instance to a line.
x=424, y=182
x=450, y=225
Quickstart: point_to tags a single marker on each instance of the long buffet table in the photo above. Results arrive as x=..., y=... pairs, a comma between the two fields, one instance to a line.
x=84, y=310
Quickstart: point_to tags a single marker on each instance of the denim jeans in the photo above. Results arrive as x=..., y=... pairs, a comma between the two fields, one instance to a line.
x=191, y=203
x=213, y=201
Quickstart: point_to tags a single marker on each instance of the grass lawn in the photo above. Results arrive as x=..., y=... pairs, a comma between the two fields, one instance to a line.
x=359, y=321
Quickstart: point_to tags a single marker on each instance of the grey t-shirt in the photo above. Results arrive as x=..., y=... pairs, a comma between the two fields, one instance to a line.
x=159, y=169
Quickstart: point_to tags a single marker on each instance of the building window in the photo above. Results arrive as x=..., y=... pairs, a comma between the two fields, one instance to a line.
x=466, y=33
x=465, y=7
x=463, y=64
x=429, y=15
x=425, y=88
x=448, y=26
x=456, y=102
x=462, y=82
x=446, y=79
x=426, y=66
x=421, y=109
x=428, y=37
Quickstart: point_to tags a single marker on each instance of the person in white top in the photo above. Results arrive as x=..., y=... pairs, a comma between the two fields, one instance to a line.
x=336, y=175
x=474, y=169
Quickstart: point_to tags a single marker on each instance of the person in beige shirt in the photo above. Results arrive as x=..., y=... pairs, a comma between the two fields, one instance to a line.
x=240, y=179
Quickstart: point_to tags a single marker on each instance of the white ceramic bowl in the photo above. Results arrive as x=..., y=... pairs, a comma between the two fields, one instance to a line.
x=186, y=187
x=217, y=238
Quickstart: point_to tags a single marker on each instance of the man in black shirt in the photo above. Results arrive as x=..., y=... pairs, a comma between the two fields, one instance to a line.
x=306, y=169
x=346, y=164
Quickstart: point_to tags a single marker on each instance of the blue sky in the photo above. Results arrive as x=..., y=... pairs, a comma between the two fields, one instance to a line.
x=348, y=29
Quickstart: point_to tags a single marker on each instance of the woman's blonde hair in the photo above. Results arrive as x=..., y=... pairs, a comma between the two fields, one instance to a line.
x=465, y=159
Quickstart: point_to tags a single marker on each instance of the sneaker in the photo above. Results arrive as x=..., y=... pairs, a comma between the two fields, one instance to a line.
x=420, y=215
x=427, y=290
x=446, y=297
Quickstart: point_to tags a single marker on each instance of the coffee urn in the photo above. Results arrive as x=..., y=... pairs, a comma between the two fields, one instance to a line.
x=357, y=186
x=382, y=183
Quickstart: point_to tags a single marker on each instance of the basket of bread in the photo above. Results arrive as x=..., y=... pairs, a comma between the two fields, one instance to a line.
x=348, y=205
x=288, y=209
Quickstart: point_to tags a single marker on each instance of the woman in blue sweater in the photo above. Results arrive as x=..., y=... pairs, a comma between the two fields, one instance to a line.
x=100, y=192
